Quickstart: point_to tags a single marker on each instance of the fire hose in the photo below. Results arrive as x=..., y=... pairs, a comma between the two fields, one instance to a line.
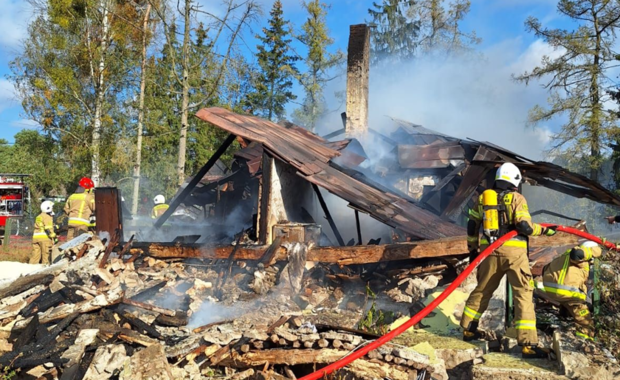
x=437, y=301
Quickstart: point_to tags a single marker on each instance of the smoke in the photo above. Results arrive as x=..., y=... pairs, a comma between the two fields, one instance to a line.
x=473, y=97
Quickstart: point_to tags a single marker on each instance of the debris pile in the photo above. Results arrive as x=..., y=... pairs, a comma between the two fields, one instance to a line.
x=96, y=314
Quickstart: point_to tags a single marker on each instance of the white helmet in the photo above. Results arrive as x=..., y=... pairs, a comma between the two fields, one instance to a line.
x=159, y=199
x=47, y=207
x=509, y=172
x=588, y=244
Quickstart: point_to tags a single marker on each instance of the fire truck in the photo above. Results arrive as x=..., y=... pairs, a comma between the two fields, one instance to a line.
x=14, y=197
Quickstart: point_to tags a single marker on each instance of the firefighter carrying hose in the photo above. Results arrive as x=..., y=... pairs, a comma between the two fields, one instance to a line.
x=564, y=280
x=501, y=210
x=80, y=207
x=44, y=236
x=160, y=206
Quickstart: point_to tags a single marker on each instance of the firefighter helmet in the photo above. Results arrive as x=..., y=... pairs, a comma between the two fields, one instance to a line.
x=47, y=207
x=87, y=183
x=159, y=199
x=509, y=172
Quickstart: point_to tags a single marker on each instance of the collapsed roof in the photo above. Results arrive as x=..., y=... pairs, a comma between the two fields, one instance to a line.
x=315, y=160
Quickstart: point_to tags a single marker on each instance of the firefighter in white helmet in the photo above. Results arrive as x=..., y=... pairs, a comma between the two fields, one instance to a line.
x=564, y=280
x=44, y=236
x=501, y=210
x=160, y=206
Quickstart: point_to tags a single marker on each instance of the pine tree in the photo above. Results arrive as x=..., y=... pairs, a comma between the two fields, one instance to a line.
x=579, y=79
x=277, y=68
x=395, y=36
x=319, y=61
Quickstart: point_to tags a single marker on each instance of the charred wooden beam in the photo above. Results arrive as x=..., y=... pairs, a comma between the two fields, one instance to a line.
x=149, y=307
x=25, y=283
x=359, y=229
x=179, y=320
x=114, y=240
x=350, y=255
x=192, y=184
x=328, y=215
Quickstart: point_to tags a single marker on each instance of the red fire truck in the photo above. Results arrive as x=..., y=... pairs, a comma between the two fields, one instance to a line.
x=14, y=196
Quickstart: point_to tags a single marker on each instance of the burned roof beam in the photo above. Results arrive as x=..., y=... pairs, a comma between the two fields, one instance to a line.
x=328, y=215
x=192, y=184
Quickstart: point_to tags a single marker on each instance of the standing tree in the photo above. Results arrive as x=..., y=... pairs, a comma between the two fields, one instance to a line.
x=578, y=79
x=318, y=61
x=395, y=36
x=439, y=26
x=277, y=68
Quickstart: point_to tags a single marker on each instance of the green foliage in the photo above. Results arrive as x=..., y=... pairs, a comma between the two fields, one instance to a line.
x=579, y=78
x=8, y=373
x=319, y=61
x=274, y=81
x=375, y=321
x=395, y=36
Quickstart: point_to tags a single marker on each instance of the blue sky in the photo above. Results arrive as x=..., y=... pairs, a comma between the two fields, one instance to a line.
x=500, y=24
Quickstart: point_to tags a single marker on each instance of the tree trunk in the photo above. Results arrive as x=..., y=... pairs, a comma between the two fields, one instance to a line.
x=100, y=92
x=136, y=168
x=185, y=102
x=595, y=119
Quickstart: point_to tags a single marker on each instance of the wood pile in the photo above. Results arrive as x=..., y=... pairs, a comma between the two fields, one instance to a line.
x=97, y=314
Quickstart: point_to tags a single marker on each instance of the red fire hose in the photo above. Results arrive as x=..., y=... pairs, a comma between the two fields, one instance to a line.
x=431, y=306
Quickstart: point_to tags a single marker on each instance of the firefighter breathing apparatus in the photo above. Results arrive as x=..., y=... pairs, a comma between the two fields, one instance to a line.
x=437, y=301
x=490, y=215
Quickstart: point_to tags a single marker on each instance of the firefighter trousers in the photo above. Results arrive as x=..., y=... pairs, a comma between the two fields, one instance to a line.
x=579, y=311
x=75, y=231
x=41, y=252
x=490, y=272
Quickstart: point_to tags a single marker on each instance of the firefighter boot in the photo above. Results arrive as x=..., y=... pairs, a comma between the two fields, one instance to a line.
x=534, y=352
x=472, y=333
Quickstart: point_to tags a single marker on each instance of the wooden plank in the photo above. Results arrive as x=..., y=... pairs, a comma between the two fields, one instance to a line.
x=354, y=255
x=25, y=283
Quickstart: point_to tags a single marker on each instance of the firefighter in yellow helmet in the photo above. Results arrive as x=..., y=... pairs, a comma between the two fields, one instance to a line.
x=564, y=280
x=511, y=213
x=79, y=208
x=44, y=236
x=160, y=206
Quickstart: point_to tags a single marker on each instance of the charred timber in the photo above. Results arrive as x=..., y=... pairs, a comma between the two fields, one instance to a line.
x=342, y=255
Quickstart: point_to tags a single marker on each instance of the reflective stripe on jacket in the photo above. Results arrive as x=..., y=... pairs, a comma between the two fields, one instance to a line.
x=567, y=278
x=159, y=210
x=43, y=227
x=79, y=208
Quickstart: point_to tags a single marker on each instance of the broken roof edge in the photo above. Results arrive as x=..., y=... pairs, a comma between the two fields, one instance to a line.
x=313, y=162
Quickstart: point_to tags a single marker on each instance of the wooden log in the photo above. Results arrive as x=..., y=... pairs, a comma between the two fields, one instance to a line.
x=454, y=246
x=41, y=304
x=27, y=335
x=141, y=326
x=113, y=297
x=337, y=343
x=179, y=320
x=149, y=307
x=115, y=238
x=277, y=324
x=285, y=356
x=323, y=343
x=200, y=329
x=25, y=283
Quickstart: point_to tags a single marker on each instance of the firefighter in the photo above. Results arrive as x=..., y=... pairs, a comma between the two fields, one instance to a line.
x=79, y=208
x=564, y=280
x=44, y=236
x=500, y=210
x=160, y=206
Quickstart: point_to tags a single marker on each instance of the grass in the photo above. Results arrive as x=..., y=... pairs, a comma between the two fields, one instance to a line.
x=19, y=250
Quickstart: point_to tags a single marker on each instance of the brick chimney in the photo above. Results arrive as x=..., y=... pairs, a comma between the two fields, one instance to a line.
x=358, y=65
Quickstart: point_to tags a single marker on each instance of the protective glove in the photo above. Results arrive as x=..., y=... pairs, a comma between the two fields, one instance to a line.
x=549, y=231
x=472, y=255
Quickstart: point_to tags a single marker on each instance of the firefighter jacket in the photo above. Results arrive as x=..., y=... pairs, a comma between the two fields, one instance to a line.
x=567, y=278
x=159, y=210
x=517, y=214
x=79, y=208
x=43, y=228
